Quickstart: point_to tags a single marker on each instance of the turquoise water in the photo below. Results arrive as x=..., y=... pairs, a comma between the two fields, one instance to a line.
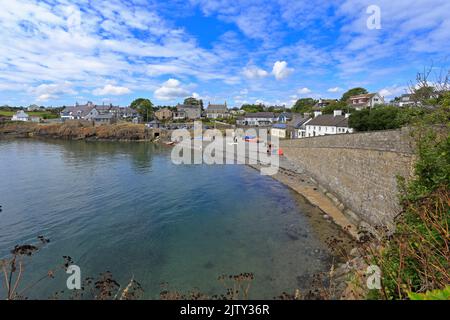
x=125, y=208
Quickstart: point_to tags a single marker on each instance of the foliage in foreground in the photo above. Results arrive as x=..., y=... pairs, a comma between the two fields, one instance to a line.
x=415, y=260
x=431, y=295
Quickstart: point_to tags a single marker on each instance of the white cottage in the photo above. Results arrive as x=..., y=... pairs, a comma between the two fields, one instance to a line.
x=20, y=116
x=328, y=124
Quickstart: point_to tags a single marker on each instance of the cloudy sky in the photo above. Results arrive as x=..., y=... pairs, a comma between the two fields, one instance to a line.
x=55, y=52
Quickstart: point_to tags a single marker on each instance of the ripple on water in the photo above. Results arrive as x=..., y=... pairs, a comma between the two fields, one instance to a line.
x=126, y=208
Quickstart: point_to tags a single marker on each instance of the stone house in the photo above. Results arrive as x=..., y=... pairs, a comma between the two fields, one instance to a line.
x=163, y=114
x=187, y=112
x=216, y=111
x=101, y=119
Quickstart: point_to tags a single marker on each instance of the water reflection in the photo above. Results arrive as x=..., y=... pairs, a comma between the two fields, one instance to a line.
x=96, y=154
x=126, y=208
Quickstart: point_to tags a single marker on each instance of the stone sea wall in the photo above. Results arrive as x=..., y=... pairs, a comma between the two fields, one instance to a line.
x=358, y=171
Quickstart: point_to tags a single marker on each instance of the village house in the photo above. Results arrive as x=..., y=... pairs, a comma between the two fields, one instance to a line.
x=79, y=112
x=279, y=130
x=364, y=101
x=217, y=111
x=296, y=128
x=256, y=119
x=107, y=118
x=20, y=116
x=405, y=100
x=187, y=112
x=89, y=111
x=237, y=112
x=328, y=124
x=163, y=114
x=35, y=119
x=33, y=107
x=322, y=103
x=284, y=117
x=154, y=124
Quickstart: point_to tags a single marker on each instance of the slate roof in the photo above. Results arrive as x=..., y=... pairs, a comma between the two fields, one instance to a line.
x=268, y=115
x=279, y=126
x=363, y=96
x=297, y=122
x=217, y=108
x=329, y=120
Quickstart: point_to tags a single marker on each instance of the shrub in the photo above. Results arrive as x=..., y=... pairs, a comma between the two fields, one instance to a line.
x=416, y=258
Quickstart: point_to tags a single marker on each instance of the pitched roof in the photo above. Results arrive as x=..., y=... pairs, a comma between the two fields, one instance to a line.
x=329, y=120
x=363, y=96
x=79, y=110
x=216, y=107
x=285, y=114
x=268, y=115
x=297, y=122
x=279, y=126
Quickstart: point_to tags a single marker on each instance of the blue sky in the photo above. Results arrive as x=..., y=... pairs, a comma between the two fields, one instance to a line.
x=57, y=52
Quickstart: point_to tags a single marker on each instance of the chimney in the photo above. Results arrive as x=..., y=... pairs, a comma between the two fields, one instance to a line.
x=317, y=113
x=337, y=113
x=347, y=115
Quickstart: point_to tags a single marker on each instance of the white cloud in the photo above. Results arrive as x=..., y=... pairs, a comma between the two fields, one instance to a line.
x=280, y=70
x=45, y=92
x=253, y=72
x=111, y=90
x=171, y=89
x=393, y=91
x=335, y=89
x=44, y=97
x=304, y=91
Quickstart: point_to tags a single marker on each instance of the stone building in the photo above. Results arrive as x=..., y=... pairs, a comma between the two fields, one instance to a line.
x=216, y=111
x=164, y=114
x=187, y=112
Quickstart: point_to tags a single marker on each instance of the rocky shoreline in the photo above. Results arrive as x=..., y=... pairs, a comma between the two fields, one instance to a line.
x=77, y=130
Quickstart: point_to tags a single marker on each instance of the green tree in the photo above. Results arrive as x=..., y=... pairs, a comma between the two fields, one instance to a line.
x=339, y=105
x=250, y=108
x=378, y=118
x=353, y=92
x=425, y=95
x=304, y=105
x=191, y=101
x=144, y=107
